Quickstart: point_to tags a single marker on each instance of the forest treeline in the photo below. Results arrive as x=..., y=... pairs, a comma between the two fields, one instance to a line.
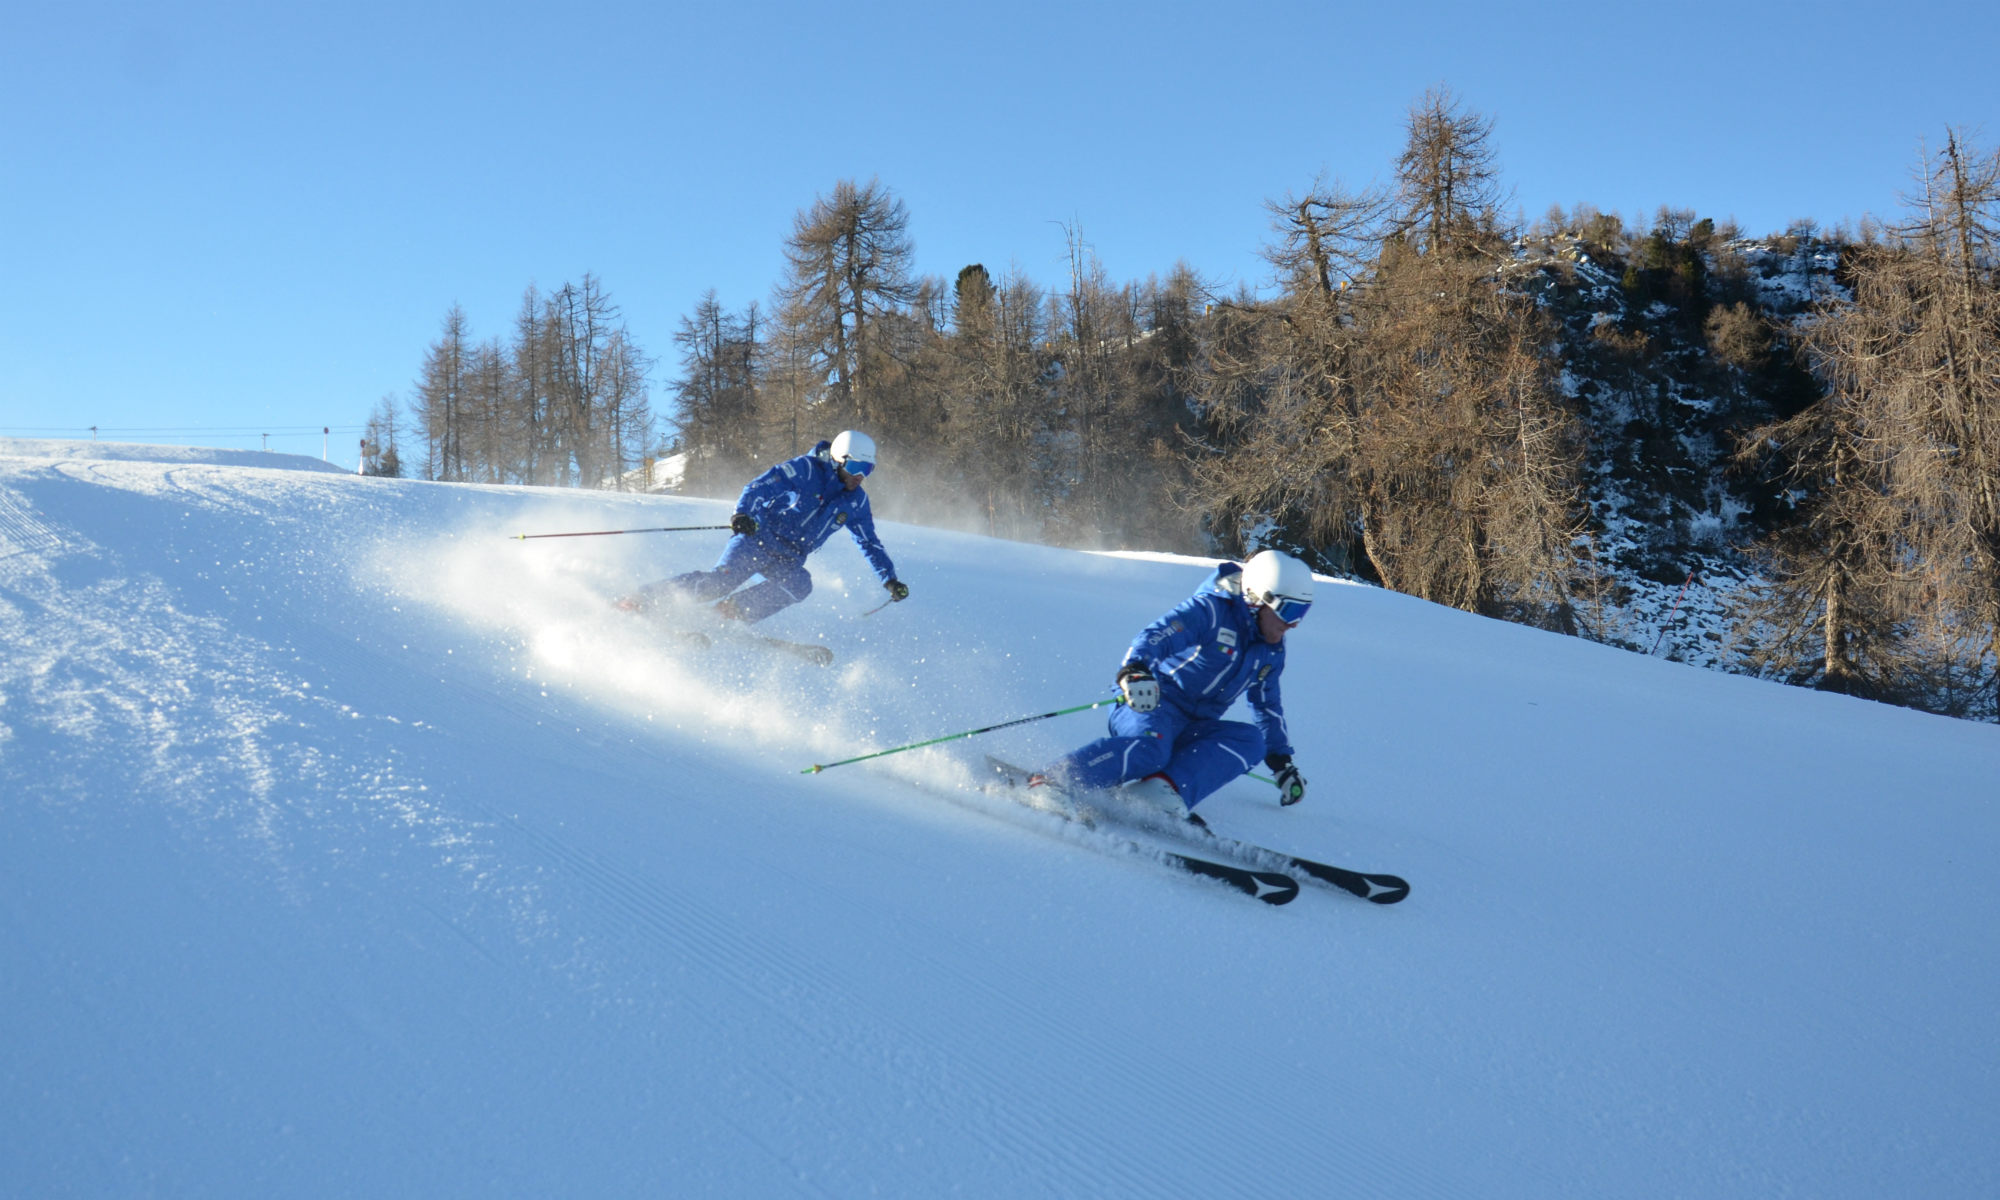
x=1505, y=418
x=562, y=402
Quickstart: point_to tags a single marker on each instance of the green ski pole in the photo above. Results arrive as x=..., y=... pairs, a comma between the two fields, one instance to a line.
x=816, y=768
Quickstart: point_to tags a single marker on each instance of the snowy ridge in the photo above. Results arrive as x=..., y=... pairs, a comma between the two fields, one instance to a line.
x=350, y=846
x=73, y=451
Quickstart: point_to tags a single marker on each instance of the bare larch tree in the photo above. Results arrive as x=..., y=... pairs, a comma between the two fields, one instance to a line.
x=847, y=265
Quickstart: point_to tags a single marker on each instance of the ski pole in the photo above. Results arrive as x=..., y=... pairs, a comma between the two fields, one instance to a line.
x=522, y=537
x=816, y=768
x=1676, y=609
x=878, y=608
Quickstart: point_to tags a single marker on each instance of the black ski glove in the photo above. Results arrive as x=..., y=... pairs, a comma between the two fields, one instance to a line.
x=898, y=590
x=1291, y=784
x=742, y=523
x=1137, y=685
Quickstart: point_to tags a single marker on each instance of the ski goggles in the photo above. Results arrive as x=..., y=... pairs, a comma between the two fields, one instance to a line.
x=1290, y=611
x=856, y=468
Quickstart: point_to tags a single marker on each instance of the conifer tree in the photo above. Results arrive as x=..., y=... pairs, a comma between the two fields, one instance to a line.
x=1891, y=569
x=717, y=393
x=847, y=267
x=440, y=399
x=1413, y=412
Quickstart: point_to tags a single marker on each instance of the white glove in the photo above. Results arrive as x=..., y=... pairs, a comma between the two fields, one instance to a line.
x=1291, y=784
x=1140, y=689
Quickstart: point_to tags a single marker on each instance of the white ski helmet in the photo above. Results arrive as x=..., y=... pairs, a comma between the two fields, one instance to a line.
x=1280, y=581
x=854, y=452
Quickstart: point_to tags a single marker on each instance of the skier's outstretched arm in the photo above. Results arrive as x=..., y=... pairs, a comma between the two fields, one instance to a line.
x=862, y=526
x=1268, y=705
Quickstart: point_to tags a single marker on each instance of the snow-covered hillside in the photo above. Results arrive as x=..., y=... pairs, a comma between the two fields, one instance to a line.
x=351, y=846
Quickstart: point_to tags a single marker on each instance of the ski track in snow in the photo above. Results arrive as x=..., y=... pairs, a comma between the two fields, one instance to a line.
x=22, y=531
x=960, y=1077
x=504, y=811
x=178, y=707
x=1013, y=1124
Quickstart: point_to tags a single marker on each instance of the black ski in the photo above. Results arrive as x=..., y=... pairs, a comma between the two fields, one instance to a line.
x=1269, y=886
x=1374, y=887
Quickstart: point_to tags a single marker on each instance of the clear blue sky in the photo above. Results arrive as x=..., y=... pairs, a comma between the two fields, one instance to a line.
x=251, y=218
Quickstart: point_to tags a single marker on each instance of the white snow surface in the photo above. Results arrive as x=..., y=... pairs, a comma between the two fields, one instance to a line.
x=351, y=846
x=70, y=450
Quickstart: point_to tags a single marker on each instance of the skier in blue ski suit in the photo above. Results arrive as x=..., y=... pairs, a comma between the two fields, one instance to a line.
x=782, y=516
x=1181, y=675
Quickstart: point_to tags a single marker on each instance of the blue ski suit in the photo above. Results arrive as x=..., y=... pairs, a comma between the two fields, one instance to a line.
x=1205, y=653
x=798, y=505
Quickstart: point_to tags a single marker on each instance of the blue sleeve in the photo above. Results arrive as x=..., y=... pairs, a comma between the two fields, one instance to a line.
x=862, y=526
x=1269, y=709
x=1191, y=621
x=787, y=476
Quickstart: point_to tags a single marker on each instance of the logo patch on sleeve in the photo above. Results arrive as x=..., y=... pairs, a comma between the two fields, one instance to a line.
x=1226, y=636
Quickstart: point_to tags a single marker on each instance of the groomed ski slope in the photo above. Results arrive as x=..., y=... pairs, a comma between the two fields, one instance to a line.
x=350, y=847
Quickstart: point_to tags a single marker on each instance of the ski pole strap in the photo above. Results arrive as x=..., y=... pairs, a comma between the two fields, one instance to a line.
x=522, y=537
x=816, y=768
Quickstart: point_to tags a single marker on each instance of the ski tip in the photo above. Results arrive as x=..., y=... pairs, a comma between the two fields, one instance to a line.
x=1269, y=886
x=1386, y=889
x=1273, y=888
x=813, y=770
x=1006, y=770
x=808, y=652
